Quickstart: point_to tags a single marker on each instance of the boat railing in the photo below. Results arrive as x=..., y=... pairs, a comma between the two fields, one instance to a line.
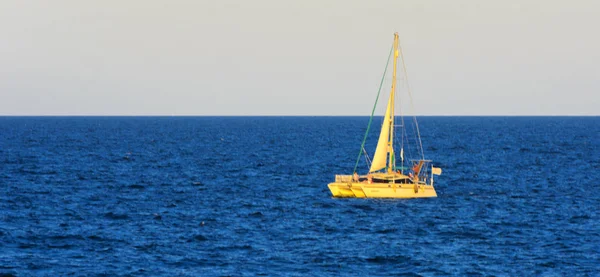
x=343, y=178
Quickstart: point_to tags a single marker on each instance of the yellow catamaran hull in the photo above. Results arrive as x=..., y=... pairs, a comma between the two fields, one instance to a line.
x=381, y=190
x=344, y=186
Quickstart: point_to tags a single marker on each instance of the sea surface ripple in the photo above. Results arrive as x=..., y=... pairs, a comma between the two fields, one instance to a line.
x=247, y=196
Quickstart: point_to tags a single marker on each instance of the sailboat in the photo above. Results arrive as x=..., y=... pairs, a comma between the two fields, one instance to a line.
x=413, y=178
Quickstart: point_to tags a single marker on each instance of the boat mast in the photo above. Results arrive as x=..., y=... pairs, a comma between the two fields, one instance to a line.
x=392, y=160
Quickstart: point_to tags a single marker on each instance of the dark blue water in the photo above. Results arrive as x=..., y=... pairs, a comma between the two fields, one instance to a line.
x=247, y=196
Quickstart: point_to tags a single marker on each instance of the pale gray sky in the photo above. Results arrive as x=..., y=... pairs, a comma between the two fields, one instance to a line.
x=277, y=57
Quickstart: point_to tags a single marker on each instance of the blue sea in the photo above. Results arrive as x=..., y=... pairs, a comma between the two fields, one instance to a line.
x=248, y=196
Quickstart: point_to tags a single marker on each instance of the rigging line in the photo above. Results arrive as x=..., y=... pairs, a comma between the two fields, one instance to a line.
x=415, y=138
x=406, y=138
x=411, y=100
x=401, y=126
x=409, y=149
x=374, y=106
x=367, y=159
x=403, y=136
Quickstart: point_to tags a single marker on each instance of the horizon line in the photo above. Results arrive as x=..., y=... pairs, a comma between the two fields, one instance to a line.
x=291, y=115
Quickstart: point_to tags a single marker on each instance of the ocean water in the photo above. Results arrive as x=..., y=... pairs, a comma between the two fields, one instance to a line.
x=247, y=196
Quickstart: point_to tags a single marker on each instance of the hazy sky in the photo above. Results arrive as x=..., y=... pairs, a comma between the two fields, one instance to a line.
x=277, y=57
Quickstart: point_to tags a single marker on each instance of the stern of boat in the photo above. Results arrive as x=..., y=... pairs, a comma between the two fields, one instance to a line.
x=343, y=190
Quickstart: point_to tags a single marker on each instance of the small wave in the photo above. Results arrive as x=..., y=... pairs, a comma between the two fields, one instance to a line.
x=350, y=211
x=548, y=152
x=235, y=247
x=463, y=234
x=198, y=238
x=21, y=200
x=63, y=237
x=387, y=231
x=323, y=205
x=330, y=229
x=94, y=237
x=186, y=262
x=41, y=192
x=49, y=172
x=458, y=147
x=26, y=246
x=388, y=259
x=304, y=238
x=146, y=247
x=61, y=246
x=73, y=215
x=363, y=207
x=548, y=264
x=117, y=216
x=136, y=186
x=579, y=218
x=28, y=171
x=256, y=214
